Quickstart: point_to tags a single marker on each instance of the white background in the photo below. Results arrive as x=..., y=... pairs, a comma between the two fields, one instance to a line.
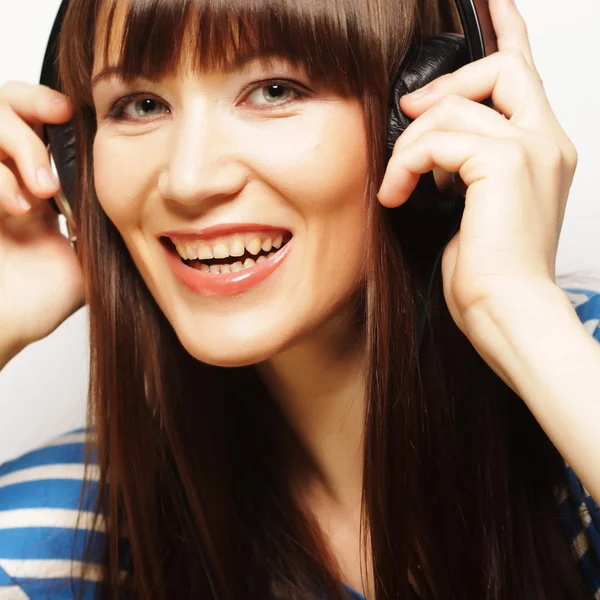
x=43, y=390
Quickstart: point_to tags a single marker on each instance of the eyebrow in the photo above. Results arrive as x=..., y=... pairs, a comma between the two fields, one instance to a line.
x=111, y=70
x=239, y=64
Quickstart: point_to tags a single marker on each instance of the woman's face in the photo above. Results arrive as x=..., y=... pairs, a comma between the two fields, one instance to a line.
x=225, y=164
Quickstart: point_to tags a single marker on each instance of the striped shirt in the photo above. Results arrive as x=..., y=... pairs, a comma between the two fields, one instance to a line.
x=41, y=546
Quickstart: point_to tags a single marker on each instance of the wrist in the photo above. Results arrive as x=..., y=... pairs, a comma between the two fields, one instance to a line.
x=514, y=332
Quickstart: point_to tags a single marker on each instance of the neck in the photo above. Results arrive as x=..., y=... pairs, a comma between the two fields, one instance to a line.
x=320, y=387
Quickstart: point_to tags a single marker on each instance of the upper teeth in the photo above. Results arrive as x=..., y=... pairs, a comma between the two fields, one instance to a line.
x=222, y=248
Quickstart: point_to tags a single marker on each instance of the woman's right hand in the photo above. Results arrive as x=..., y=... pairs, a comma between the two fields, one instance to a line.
x=41, y=282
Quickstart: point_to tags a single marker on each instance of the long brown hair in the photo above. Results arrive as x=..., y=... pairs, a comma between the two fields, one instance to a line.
x=459, y=479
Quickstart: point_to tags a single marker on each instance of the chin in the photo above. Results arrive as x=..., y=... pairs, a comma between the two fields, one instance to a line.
x=223, y=355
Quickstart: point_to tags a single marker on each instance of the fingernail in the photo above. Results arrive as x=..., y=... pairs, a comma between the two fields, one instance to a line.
x=23, y=204
x=55, y=102
x=58, y=101
x=46, y=179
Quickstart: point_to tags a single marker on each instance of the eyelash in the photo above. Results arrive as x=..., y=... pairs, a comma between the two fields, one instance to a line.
x=117, y=110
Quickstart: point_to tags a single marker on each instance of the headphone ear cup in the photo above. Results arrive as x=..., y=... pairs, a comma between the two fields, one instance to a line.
x=61, y=139
x=434, y=57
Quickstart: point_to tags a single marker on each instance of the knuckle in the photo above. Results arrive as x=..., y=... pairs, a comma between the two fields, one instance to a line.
x=514, y=155
x=554, y=154
x=514, y=58
x=571, y=155
x=441, y=79
x=451, y=103
x=436, y=84
x=35, y=150
x=558, y=154
x=430, y=138
x=549, y=151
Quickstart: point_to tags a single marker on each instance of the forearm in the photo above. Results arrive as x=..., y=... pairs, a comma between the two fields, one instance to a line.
x=543, y=352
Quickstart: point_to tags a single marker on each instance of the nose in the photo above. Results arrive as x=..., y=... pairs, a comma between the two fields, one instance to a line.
x=201, y=165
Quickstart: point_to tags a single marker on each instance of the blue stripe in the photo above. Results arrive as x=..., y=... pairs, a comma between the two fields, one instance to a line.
x=354, y=595
x=65, y=454
x=589, y=568
x=48, y=493
x=589, y=310
x=5, y=580
x=580, y=292
x=54, y=543
x=571, y=523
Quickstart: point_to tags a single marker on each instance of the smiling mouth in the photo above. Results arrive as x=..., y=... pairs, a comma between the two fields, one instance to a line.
x=228, y=256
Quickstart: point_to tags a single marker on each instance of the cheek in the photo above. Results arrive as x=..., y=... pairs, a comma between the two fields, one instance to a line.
x=318, y=162
x=321, y=170
x=121, y=181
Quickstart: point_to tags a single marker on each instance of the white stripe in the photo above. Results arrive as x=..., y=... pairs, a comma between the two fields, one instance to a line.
x=577, y=298
x=584, y=515
x=49, y=517
x=53, y=569
x=580, y=545
x=591, y=325
x=561, y=494
x=13, y=592
x=50, y=569
x=74, y=471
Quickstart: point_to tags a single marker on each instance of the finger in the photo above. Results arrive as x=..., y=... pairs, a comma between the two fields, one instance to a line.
x=516, y=91
x=464, y=153
x=21, y=144
x=456, y=113
x=511, y=29
x=36, y=104
x=11, y=198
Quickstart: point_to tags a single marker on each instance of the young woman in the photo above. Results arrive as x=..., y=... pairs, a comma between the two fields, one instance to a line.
x=266, y=427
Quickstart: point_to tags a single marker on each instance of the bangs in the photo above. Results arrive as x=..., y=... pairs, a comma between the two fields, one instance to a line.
x=330, y=40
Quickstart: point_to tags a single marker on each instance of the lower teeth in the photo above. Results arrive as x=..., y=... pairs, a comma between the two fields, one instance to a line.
x=233, y=268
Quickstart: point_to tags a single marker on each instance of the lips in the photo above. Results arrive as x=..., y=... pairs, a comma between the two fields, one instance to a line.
x=222, y=284
x=222, y=229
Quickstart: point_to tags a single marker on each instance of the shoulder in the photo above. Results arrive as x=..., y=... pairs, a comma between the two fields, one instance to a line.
x=41, y=540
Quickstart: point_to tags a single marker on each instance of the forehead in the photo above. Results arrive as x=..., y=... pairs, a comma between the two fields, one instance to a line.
x=115, y=27
x=157, y=38
x=110, y=29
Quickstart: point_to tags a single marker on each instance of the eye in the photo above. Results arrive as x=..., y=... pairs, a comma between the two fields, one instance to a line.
x=135, y=108
x=276, y=93
x=264, y=94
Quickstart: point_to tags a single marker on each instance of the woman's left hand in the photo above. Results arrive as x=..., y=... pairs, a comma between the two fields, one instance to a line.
x=517, y=166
